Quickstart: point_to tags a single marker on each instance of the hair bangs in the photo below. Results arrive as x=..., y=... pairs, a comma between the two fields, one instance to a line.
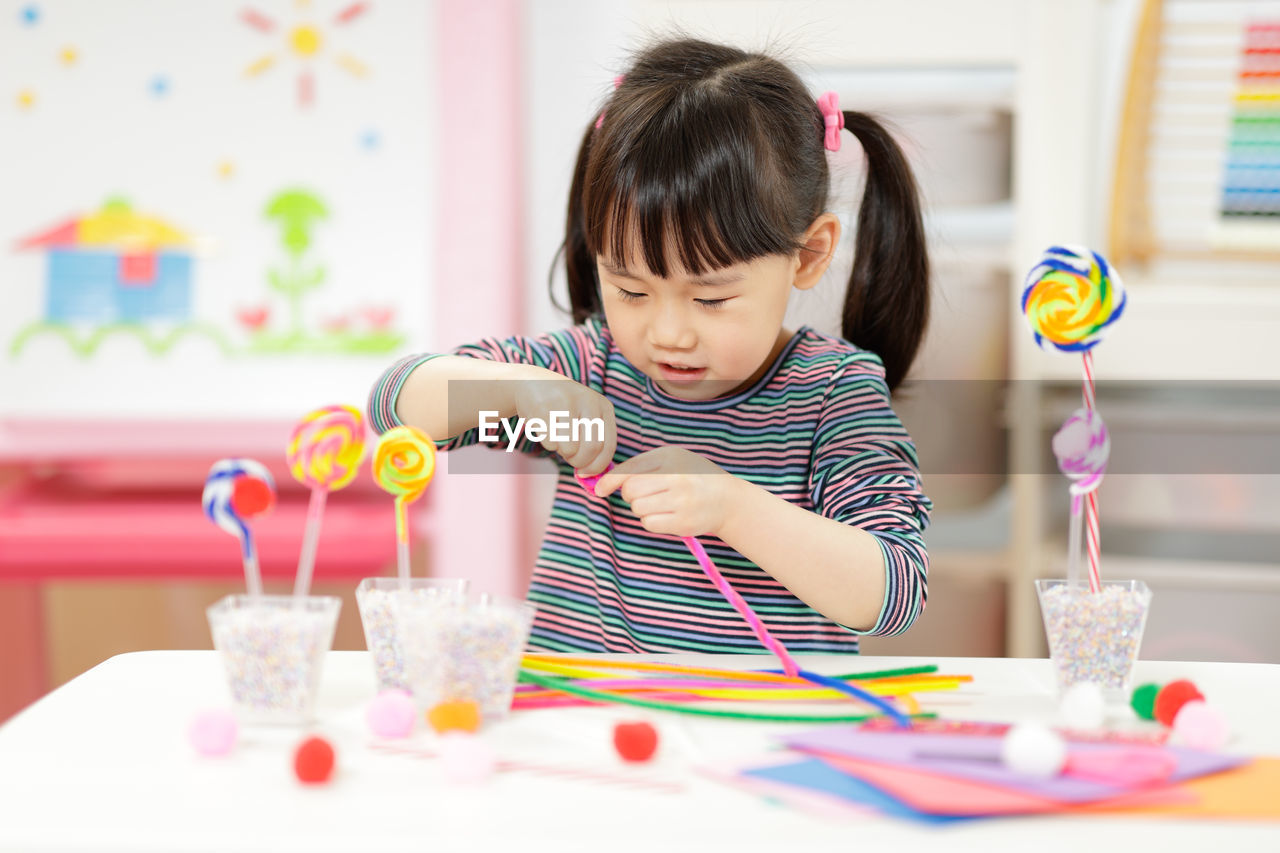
x=700, y=195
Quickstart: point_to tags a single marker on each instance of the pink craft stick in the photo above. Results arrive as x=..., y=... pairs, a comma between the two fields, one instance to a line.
x=788, y=663
x=789, y=666
x=744, y=610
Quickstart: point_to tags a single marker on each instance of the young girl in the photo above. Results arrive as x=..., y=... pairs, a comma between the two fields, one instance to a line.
x=698, y=202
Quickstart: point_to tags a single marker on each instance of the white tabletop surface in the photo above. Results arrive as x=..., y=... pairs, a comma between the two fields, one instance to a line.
x=103, y=764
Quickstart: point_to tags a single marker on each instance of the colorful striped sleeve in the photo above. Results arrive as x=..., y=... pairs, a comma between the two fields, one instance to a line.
x=865, y=473
x=568, y=352
x=386, y=391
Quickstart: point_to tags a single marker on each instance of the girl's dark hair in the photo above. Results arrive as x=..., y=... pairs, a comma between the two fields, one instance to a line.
x=717, y=155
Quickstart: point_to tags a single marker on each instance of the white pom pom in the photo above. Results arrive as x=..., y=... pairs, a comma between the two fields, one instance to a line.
x=1082, y=707
x=1034, y=750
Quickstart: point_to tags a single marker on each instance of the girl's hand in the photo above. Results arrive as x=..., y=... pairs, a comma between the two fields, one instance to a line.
x=674, y=491
x=565, y=399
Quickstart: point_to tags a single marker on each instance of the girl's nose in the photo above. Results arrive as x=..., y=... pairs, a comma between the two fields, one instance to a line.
x=670, y=329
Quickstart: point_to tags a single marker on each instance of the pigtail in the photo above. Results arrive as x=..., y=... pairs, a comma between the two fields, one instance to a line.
x=580, y=264
x=886, y=307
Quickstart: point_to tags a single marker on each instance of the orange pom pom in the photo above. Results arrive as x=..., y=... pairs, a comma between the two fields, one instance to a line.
x=461, y=715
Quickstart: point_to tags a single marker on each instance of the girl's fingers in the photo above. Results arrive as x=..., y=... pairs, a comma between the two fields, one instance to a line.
x=596, y=463
x=640, y=488
x=621, y=474
x=648, y=505
x=665, y=522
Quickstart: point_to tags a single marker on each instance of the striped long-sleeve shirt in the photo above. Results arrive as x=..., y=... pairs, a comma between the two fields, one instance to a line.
x=816, y=429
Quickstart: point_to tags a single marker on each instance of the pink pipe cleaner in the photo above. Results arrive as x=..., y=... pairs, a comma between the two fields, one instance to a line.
x=744, y=610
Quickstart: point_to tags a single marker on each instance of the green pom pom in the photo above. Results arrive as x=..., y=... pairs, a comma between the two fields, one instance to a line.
x=1144, y=701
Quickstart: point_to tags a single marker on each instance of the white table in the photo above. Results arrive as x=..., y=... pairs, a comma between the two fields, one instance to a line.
x=102, y=764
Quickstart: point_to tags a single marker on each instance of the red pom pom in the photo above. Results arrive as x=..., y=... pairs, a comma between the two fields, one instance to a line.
x=635, y=741
x=313, y=761
x=251, y=496
x=1172, y=697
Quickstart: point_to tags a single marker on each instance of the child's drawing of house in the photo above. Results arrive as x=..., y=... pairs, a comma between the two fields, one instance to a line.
x=115, y=266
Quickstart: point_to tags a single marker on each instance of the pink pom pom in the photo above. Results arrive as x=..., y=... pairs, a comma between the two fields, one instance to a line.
x=213, y=732
x=391, y=714
x=467, y=759
x=1201, y=726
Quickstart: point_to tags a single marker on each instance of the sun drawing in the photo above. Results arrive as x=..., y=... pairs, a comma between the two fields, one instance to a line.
x=304, y=41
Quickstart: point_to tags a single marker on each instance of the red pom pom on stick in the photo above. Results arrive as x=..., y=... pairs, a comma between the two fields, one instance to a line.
x=1172, y=697
x=635, y=741
x=251, y=496
x=313, y=761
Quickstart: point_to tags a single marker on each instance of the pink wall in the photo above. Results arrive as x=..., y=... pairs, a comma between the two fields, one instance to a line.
x=477, y=522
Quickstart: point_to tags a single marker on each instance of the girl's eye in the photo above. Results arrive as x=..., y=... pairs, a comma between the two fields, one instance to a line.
x=713, y=304
x=628, y=296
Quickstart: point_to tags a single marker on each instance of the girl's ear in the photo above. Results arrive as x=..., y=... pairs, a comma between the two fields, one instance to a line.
x=819, y=243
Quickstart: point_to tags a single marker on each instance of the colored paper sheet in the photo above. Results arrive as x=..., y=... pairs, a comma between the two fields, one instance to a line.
x=815, y=775
x=808, y=800
x=1251, y=792
x=910, y=749
x=939, y=794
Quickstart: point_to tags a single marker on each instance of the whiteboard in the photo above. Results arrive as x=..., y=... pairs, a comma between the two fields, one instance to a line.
x=211, y=210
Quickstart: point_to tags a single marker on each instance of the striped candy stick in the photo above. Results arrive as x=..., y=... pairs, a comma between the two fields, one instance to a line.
x=1070, y=297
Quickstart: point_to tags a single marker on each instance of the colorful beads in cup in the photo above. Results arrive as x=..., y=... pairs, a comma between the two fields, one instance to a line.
x=273, y=649
x=375, y=597
x=1094, y=637
x=466, y=648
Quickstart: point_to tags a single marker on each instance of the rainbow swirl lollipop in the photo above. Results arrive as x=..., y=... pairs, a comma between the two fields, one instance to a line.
x=1070, y=297
x=235, y=491
x=403, y=464
x=324, y=453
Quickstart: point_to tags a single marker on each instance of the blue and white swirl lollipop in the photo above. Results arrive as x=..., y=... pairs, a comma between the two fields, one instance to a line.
x=236, y=491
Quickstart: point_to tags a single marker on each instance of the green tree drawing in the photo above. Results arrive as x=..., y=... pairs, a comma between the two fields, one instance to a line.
x=296, y=211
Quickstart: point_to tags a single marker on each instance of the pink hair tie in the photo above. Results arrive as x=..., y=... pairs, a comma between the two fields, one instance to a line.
x=617, y=81
x=829, y=103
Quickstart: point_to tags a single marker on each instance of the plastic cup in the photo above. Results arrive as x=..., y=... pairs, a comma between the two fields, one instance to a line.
x=465, y=648
x=375, y=597
x=1094, y=637
x=273, y=649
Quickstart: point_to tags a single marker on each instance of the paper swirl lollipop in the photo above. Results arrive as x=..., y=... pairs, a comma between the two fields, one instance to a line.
x=236, y=491
x=324, y=454
x=326, y=447
x=1070, y=297
x=1082, y=446
x=404, y=462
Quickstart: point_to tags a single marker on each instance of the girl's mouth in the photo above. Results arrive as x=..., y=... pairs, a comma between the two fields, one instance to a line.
x=675, y=373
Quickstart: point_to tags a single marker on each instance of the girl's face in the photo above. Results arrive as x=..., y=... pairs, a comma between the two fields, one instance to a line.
x=699, y=337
